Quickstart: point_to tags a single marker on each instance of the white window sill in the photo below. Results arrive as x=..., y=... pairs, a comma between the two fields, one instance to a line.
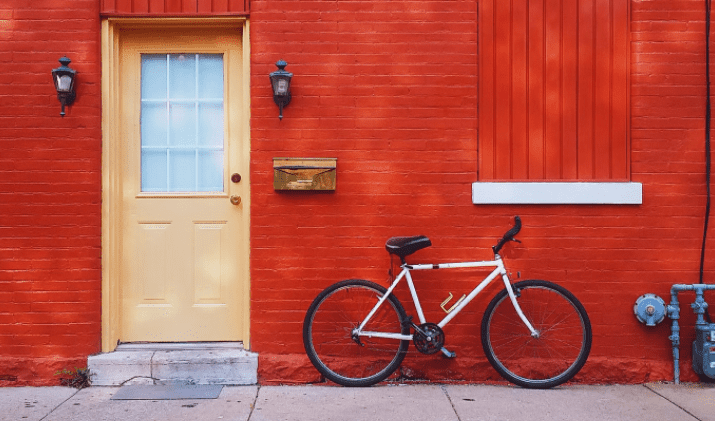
x=552, y=193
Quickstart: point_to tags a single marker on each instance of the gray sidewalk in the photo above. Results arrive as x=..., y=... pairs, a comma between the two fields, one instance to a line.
x=653, y=401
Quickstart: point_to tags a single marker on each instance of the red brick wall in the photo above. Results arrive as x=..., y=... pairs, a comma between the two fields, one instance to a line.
x=390, y=89
x=50, y=191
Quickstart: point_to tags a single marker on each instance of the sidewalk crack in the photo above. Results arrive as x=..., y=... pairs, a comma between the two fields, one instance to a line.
x=444, y=389
x=124, y=383
x=60, y=404
x=255, y=402
x=151, y=368
x=664, y=397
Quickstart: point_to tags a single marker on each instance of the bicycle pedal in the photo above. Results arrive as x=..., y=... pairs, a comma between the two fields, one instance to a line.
x=447, y=353
x=407, y=322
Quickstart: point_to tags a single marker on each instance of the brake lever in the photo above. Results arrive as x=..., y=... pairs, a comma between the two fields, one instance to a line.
x=516, y=240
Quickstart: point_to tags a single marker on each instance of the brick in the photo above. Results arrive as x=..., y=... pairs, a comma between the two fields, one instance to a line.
x=37, y=148
x=380, y=188
x=390, y=88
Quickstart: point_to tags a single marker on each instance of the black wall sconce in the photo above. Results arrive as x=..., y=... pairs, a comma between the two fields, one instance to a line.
x=64, y=78
x=280, y=80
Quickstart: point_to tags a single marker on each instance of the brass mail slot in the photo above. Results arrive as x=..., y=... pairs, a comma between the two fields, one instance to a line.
x=304, y=173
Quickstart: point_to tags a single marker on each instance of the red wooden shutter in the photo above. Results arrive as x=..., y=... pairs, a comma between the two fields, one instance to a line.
x=173, y=7
x=553, y=100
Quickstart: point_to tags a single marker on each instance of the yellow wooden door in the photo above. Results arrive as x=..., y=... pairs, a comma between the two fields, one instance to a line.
x=184, y=263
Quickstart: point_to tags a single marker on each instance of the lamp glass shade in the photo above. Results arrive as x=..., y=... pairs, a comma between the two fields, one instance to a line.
x=281, y=87
x=64, y=83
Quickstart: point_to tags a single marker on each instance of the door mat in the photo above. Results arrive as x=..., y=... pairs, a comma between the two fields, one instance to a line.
x=168, y=392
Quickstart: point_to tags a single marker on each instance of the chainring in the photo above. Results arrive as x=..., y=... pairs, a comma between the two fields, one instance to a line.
x=429, y=338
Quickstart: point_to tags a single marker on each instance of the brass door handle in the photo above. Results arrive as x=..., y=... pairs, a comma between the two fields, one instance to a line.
x=235, y=200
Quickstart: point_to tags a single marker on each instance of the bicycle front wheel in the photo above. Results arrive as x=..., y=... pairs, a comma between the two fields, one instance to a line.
x=328, y=333
x=563, y=339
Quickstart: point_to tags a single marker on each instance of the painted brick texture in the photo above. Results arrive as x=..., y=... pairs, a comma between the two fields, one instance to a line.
x=390, y=89
x=50, y=192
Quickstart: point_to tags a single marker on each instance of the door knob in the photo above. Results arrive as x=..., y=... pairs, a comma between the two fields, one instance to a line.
x=236, y=200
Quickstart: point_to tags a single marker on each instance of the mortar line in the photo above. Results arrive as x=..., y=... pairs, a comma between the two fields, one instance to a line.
x=681, y=408
x=60, y=404
x=255, y=401
x=449, y=398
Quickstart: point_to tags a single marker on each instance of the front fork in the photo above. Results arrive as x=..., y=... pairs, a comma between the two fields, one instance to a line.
x=512, y=296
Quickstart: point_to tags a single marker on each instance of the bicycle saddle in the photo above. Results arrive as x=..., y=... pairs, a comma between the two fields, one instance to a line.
x=404, y=246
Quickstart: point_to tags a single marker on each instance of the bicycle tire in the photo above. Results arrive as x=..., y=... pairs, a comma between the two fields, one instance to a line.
x=327, y=333
x=564, y=340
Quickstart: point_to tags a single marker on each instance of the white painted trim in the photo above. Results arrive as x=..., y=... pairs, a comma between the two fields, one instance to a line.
x=551, y=193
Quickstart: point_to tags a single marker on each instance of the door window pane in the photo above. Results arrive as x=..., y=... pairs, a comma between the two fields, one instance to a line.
x=182, y=76
x=182, y=123
x=209, y=162
x=154, y=76
x=182, y=171
x=153, y=122
x=211, y=76
x=154, y=170
x=210, y=125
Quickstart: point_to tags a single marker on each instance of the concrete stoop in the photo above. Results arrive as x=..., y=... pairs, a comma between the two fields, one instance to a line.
x=165, y=363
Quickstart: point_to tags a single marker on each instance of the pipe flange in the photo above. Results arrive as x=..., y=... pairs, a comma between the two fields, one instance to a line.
x=649, y=309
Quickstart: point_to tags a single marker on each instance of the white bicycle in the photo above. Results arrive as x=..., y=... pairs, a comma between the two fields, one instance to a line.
x=535, y=334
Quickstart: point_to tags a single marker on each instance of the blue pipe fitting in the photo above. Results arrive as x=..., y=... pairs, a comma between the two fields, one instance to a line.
x=699, y=306
x=673, y=311
x=675, y=343
x=651, y=310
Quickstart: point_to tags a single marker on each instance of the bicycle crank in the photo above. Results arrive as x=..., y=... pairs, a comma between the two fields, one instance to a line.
x=428, y=338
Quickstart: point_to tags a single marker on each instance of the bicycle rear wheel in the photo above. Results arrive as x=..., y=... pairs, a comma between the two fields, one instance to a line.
x=562, y=345
x=328, y=328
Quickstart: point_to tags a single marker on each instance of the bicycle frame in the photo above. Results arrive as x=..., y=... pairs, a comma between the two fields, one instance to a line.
x=499, y=269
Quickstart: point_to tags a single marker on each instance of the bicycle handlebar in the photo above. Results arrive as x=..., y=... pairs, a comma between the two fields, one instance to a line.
x=509, y=236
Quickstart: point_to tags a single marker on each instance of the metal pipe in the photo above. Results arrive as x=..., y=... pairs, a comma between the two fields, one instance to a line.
x=673, y=311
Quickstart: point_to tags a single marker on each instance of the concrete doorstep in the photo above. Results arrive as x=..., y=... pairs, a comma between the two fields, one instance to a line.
x=687, y=402
x=189, y=363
